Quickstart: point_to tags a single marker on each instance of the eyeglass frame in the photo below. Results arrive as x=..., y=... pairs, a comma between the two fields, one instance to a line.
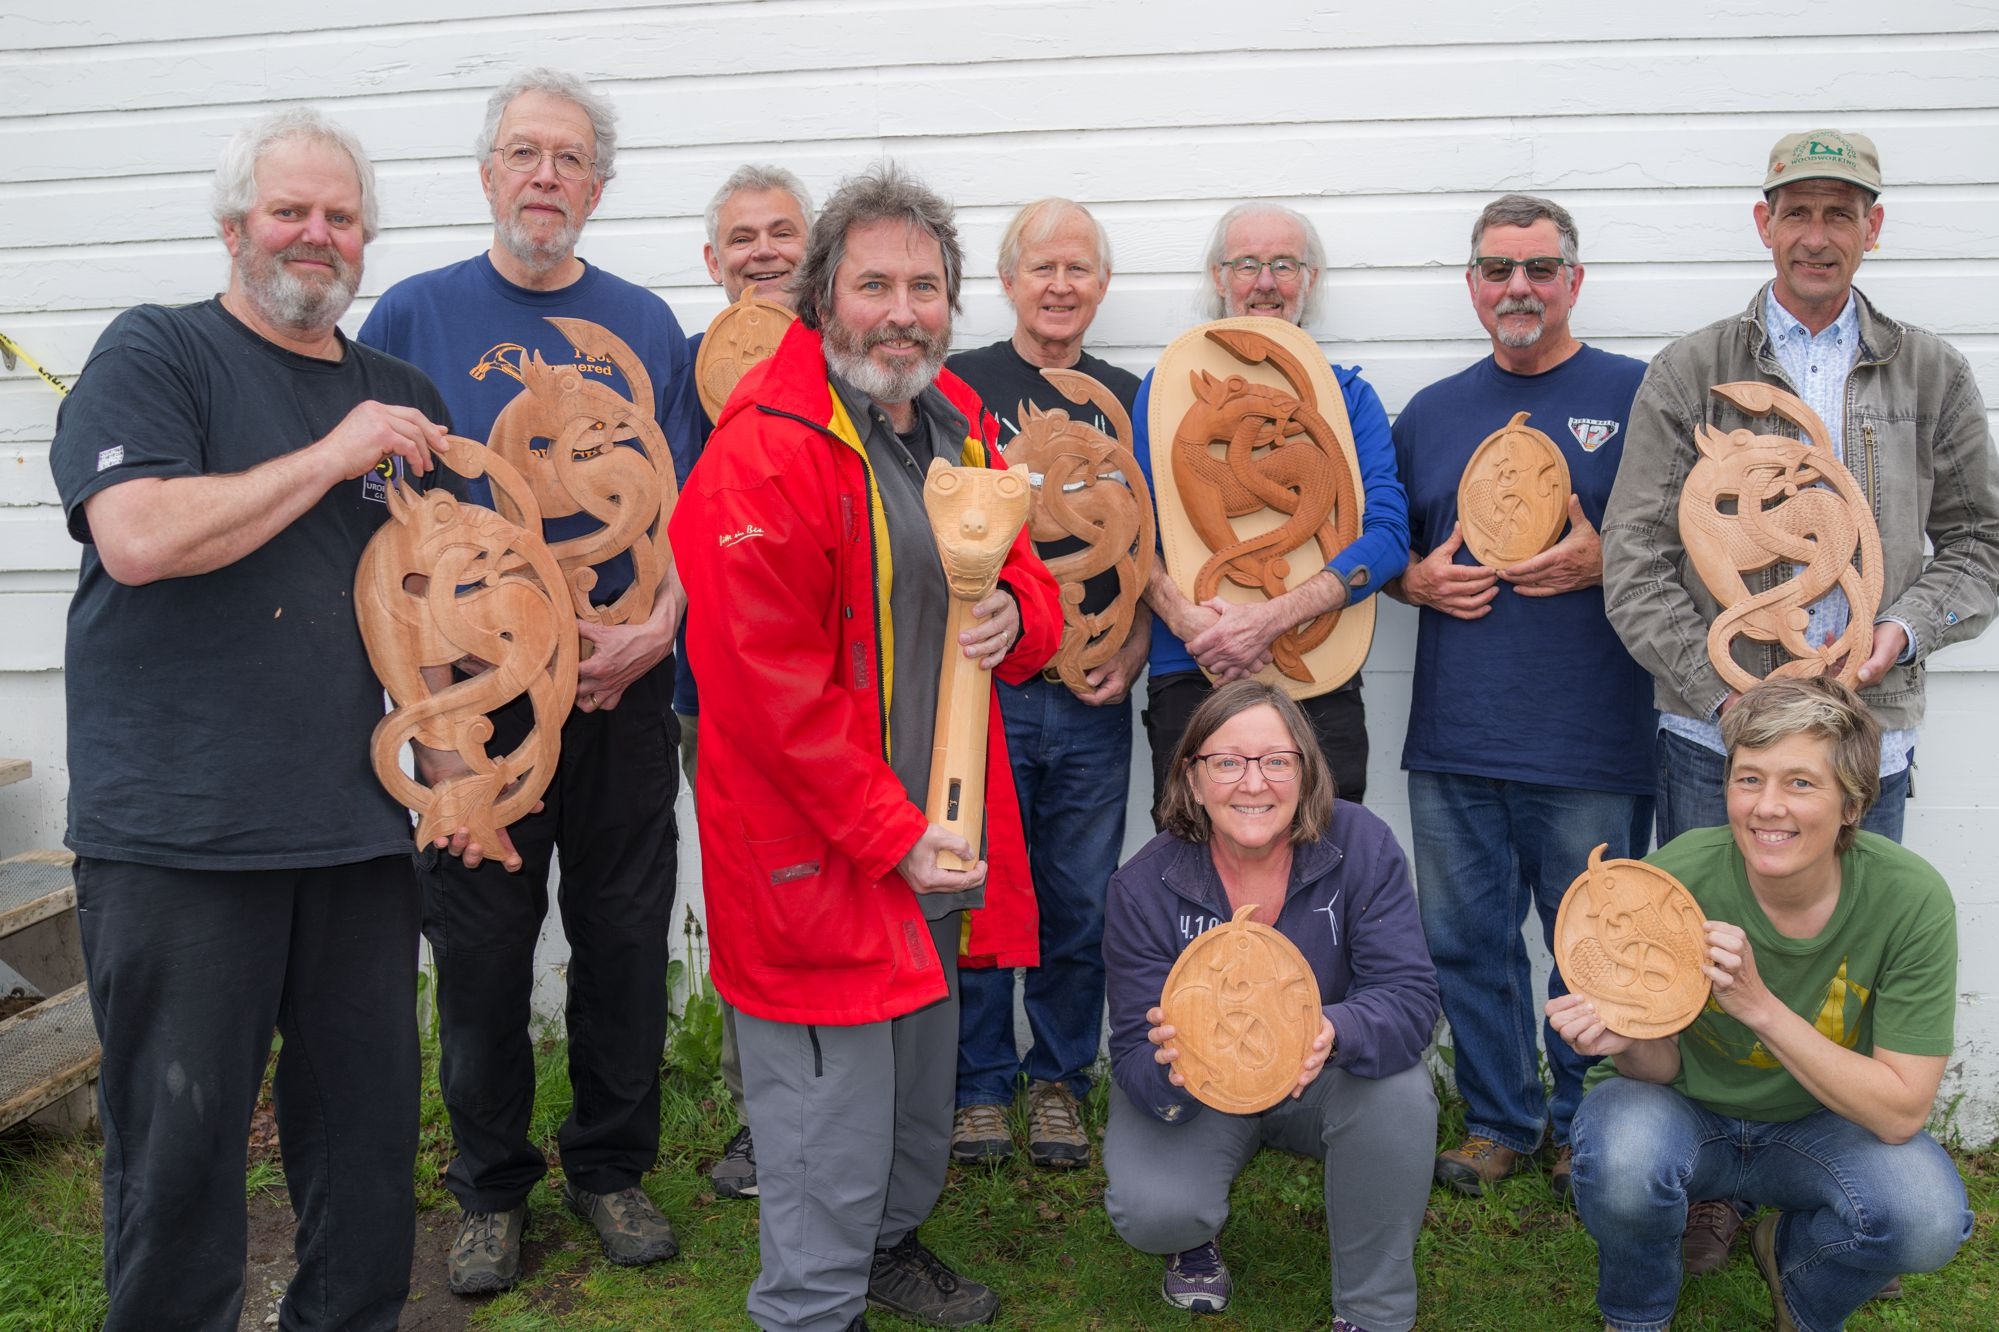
x=501, y=150
x=1477, y=262
x=1230, y=266
x=1295, y=755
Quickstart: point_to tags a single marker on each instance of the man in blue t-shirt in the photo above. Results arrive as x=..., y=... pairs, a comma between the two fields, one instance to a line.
x=546, y=152
x=1529, y=724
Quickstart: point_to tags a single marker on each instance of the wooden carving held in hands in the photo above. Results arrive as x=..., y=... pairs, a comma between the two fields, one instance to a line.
x=740, y=338
x=1631, y=938
x=1754, y=501
x=1086, y=487
x=494, y=592
x=975, y=512
x=1244, y=1007
x=585, y=448
x=1513, y=499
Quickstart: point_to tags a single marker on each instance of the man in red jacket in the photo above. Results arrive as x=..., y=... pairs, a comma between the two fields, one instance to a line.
x=803, y=542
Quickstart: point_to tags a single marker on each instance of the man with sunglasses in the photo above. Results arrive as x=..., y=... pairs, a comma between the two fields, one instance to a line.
x=1506, y=794
x=546, y=152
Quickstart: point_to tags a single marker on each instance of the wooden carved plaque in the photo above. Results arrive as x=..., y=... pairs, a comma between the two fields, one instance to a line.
x=1245, y=1007
x=585, y=448
x=975, y=512
x=445, y=579
x=741, y=337
x=1513, y=499
x=1086, y=486
x=1631, y=938
x=1263, y=485
x=1753, y=502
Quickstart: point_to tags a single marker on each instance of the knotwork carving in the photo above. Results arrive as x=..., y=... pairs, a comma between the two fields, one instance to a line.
x=1631, y=938
x=585, y=448
x=740, y=338
x=1244, y=1007
x=446, y=579
x=1086, y=487
x=1755, y=501
x=1513, y=499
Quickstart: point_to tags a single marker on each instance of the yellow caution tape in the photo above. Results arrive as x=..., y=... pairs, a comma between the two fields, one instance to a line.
x=10, y=351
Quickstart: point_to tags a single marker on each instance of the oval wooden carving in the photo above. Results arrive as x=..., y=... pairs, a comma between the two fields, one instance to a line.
x=1245, y=1006
x=1753, y=502
x=1631, y=938
x=1513, y=499
x=741, y=337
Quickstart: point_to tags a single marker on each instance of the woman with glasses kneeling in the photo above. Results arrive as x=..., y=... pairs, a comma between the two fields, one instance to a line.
x=1249, y=816
x=1805, y=1082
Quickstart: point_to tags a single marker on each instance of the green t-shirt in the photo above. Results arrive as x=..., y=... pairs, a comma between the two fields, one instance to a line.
x=1882, y=972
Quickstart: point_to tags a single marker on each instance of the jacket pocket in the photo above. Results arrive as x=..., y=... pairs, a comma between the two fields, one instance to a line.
x=812, y=911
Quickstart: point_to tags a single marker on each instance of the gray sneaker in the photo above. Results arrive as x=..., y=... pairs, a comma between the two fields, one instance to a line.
x=486, y=1255
x=631, y=1229
x=735, y=1175
x=911, y=1282
x=1198, y=1280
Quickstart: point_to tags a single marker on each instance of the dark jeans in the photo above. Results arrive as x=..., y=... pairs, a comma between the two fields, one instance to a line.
x=610, y=811
x=1072, y=767
x=1339, y=719
x=190, y=972
x=1692, y=791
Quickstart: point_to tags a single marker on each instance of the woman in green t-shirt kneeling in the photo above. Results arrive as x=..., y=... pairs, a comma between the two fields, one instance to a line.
x=1805, y=1082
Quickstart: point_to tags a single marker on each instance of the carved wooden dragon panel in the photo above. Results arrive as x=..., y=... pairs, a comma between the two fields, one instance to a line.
x=1244, y=1005
x=740, y=338
x=1513, y=499
x=1631, y=938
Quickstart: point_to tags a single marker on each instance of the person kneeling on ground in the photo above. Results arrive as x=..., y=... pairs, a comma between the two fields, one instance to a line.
x=1805, y=1081
x=1249, y=817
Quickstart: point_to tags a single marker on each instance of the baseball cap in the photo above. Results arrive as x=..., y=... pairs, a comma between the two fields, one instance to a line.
x=1825, y=154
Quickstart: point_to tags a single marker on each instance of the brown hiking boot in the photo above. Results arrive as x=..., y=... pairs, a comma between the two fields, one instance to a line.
x=1562, y=1175
x=1711, y=1229
x=1763, y=1247
x=1475, y=1163
x=979, y=1135
x=1055, y=1136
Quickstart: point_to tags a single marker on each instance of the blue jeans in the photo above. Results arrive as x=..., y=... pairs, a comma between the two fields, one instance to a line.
x=1072, y=767
x=1692, y=791
x=1857, y=1210
x=1485, y=849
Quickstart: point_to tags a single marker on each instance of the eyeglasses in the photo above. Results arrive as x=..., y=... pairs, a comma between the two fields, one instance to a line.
x=569, y=164
x=1281, y=766
x=1282, y=269
x=1541, y=268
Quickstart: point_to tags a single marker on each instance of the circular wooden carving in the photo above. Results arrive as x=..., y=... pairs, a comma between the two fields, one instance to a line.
x=1245, y=1005
x=1631, y=938
x=1752, y=502
x=741, y=337
x=1513, y=499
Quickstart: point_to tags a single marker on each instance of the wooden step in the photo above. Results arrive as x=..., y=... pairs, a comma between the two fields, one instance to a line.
x=46, y=1053
x=32, y=890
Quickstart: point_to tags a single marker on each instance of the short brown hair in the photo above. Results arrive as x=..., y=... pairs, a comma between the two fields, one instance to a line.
x=1823, y=707
x=1180, y=814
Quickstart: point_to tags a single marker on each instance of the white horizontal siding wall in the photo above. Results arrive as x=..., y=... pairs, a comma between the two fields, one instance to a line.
x=1390, y=125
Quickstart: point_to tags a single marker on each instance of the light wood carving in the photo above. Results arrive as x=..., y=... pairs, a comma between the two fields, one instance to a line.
x=740, y=338
x=1087, y=487
x=1755, y=501
x=1631, y=938
x=446, y=579
x=1244, y=1007
x=975, y=513
x=573, y=437
x=1513, y=499
x=1263, y=485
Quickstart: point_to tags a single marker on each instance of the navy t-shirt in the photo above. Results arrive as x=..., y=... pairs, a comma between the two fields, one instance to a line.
x=1539, y=690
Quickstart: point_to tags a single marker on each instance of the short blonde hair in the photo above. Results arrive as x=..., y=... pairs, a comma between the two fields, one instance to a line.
x=1823, y=707
x=1181, y=814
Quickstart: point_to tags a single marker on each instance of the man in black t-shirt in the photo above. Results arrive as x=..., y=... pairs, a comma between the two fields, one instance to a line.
x=239, y=867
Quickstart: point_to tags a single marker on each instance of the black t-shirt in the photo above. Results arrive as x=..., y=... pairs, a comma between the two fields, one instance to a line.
x=223, y=720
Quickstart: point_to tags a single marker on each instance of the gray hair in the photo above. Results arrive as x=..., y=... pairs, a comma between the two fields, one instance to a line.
x=1314, y=256
x=1524, y=210
x=235, y=189
x=556, y=83
x=886, y=194
x=754, y=176
x=1037, y=222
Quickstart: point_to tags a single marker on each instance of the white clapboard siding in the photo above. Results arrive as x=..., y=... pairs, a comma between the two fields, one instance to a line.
x=1388, y=125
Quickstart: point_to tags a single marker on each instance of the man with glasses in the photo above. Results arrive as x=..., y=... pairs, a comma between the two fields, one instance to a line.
x=1266, y=259
x=545, y=154
x=1507, y=795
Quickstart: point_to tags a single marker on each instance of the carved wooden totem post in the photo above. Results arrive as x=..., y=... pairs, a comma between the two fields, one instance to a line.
x=740, y=338
x=1244, y=1007
x=1631, y=937
x=1513, y=499
x=975, y=513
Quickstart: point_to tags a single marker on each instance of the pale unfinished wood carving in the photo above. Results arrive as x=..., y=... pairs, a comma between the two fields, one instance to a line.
x=445, y=579
x=740, y=338
x=1755, y=501
x=1513, y=499
x=1086, y=487
x=1263, y=486
x=975, y=513
x=1631, y=938
x=1244, y=1005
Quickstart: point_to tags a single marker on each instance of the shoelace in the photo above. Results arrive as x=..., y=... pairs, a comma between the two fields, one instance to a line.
x=932, y=1267
x=1057, y=1114
x=482, y=1231
x=628, y=1208
x=1199, y=1264
x=1712, y=1215
x=986, y=1120
x=1478, y=1148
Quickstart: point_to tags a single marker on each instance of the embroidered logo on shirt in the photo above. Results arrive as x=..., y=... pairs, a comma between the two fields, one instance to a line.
x=111, y=457
x=1592, y=433
x=736, y=538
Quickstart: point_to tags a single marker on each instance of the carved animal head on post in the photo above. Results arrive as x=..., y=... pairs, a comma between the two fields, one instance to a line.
x=975, y=513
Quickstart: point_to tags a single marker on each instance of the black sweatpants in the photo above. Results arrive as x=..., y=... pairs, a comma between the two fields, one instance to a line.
x=1339, y=718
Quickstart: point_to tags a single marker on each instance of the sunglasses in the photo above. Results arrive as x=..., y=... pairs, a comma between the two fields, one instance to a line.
x=1541, y=268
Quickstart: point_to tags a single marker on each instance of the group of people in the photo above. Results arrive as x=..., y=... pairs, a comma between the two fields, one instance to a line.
x=240, y=869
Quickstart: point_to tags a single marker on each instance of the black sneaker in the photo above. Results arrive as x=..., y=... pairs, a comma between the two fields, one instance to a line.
x=910, y=1282
x=486, y=1254
x=735, y=1175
